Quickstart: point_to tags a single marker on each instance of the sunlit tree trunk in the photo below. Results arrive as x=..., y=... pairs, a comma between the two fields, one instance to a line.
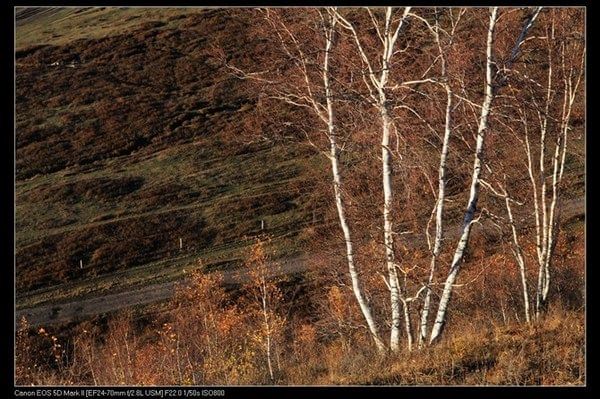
x=478, y=162
x=545, y=204
x=440, y=318
x=306, y=95
x=337, y=184
x=441, y=193
x=377, y=84
x=439, y=211
x=394, y=284
x=517, y=250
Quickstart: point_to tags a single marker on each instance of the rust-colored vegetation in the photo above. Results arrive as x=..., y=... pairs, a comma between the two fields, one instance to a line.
x=151, y=159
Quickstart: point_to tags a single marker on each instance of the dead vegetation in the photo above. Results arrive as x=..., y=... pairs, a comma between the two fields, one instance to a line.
x=110, y=152
x=148, y=140
x=211, y=334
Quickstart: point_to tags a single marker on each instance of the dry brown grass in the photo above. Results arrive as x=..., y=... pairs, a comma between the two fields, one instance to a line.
x=550, y=352
x=212, y=340
x=141, y=95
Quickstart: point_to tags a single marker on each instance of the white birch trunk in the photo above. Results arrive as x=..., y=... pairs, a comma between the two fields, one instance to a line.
x=267, y=328
x=377, y=88
x=325, y=113
x=550, y=222
x=441, y=193
x=389, y=41
x=474, y=192
x=438, y=217
x=542, y=176
x=518, y=252
x=386, y=157
x=544, y=240
x=537, y=203
x=337, y=184
x=407, y=324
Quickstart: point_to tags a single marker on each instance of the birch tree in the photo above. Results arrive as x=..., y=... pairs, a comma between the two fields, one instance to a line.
x=315, y=93
x=376, y=78
x=474, y=191
x=438, y=209
x=267, y=298
x=517, y=249
x=491, y=87
x=550, y=102
x=546, y=205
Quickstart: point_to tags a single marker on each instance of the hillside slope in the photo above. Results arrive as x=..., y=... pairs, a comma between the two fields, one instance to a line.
x=139, y=154
x=130, y=146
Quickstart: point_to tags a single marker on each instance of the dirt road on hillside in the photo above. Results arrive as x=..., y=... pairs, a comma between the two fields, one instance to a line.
x=47, y=314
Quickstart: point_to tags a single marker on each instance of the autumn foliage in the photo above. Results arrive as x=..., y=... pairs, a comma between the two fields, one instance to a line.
x=268, y=325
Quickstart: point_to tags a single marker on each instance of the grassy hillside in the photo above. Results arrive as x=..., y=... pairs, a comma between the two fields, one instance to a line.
x=131, y=136
x=145, y=141
x=139, y=157
x=61, y=25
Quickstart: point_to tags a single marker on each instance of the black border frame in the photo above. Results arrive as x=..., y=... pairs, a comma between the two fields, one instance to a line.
x=7, y=198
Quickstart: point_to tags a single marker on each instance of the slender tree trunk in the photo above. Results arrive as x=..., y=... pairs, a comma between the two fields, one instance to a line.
x=427, y=304
x=550, y=227
x=386, y=157
x=267, y=323
x=396, y=295
x=545, y=239
x=377, y=88
x=441, y=194
x=337, y=184
x=438, y=217
x=268, y=348
x=542, y=176
x=474, y=192
x=407, y=325
x=537, y=203
x=518, y=252
x=364, y=307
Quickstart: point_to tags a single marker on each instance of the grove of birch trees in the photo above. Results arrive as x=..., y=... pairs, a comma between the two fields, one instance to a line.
x=472, y=98
x=436, y=157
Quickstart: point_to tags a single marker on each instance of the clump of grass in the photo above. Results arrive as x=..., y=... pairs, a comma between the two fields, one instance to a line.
x=549, y=352
x=209, y=335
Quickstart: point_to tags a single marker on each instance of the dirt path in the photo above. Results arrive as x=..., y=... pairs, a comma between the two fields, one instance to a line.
x=46, y=314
